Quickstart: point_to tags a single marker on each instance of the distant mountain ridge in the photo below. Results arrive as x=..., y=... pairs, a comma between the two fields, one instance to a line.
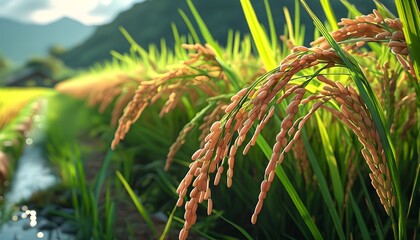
x=21, y=41
x=149, y=21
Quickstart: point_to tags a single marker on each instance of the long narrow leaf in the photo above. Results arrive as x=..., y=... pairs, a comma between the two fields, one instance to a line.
x=259, y=36
x=204, y=30
x=168, y=224
x=139, y=205
x=329, y=13
x=281, y=174
x=246, y=235
x=101, y=176
x=323, y=186
x=331, y=161
x=408, y=11
x=273, y=34
x=360, y=222
x=189, y=25
x=376, y=221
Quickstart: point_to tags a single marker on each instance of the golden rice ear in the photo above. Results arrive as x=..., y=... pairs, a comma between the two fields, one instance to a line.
x=355, y=115
x=197, y=74
x=121, y=102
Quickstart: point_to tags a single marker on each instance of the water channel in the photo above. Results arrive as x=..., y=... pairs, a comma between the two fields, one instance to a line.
x=32, y=174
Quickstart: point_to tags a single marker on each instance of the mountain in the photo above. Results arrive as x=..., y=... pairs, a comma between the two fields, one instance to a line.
x=149, y=21
x=20, y=41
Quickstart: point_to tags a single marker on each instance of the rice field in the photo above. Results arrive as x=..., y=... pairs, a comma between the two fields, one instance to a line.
x=263, y=138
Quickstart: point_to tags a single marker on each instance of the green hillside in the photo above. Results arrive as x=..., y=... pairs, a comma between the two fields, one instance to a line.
x=20, y=42
x=150, y=21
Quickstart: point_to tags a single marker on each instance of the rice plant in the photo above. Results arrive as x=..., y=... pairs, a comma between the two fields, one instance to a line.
x=305, y=82
x=345, y=108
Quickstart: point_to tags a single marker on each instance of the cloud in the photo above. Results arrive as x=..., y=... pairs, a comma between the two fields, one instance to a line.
x=89, y=12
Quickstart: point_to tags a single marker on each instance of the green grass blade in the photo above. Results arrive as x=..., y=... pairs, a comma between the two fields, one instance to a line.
x=376, y=221
x=245, y=233
x=139, y=205
x=136, y=47
x=204, y=30
x=168, y=224
x=360, y=222
x=202, y=233
x=383, y=10
x=414, y=190
x=234, y=79
x=190, y=26
x=109, y=214
x=354, y=12
x=323, y=186
x=272, y=27
x=377, y=113
x=329, y=13
x=229, y=43
x=102, y=173
x=281, y=174
x=408, y=12
x=289, y=24
x=110, y=217
x=179, y=51
x=236, y=45
x=260, y=37
x=299, y=29
x=331, y=161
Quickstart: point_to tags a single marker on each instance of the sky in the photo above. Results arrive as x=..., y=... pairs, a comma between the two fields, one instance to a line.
x=88, y=12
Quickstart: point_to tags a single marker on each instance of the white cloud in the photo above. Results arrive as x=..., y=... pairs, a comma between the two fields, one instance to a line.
x=89, y=12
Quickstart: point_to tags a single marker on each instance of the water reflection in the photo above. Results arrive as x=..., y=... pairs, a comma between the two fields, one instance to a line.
x=29, y=141
x=26, y=225
x=40, y=235
x=33, y=172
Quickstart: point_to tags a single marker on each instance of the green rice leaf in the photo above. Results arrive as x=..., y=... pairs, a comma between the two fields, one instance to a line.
x=414, y=191
x=101, y=176
x=168, y=224
x=331, y=161
x=281, y=174
x=408, y=12
x=244, y=233
x=139, y=205
x=179, y=51
x=204, y=30
x=190, y=26
x=376, y=221
x=353, y=11
x=323, y=186
x=383, y=10
x=289, y=24
x=272, y=27
x=329, y=13
x=136, y=47
x=299, y=28
x=260, y=37
x=360, y=222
